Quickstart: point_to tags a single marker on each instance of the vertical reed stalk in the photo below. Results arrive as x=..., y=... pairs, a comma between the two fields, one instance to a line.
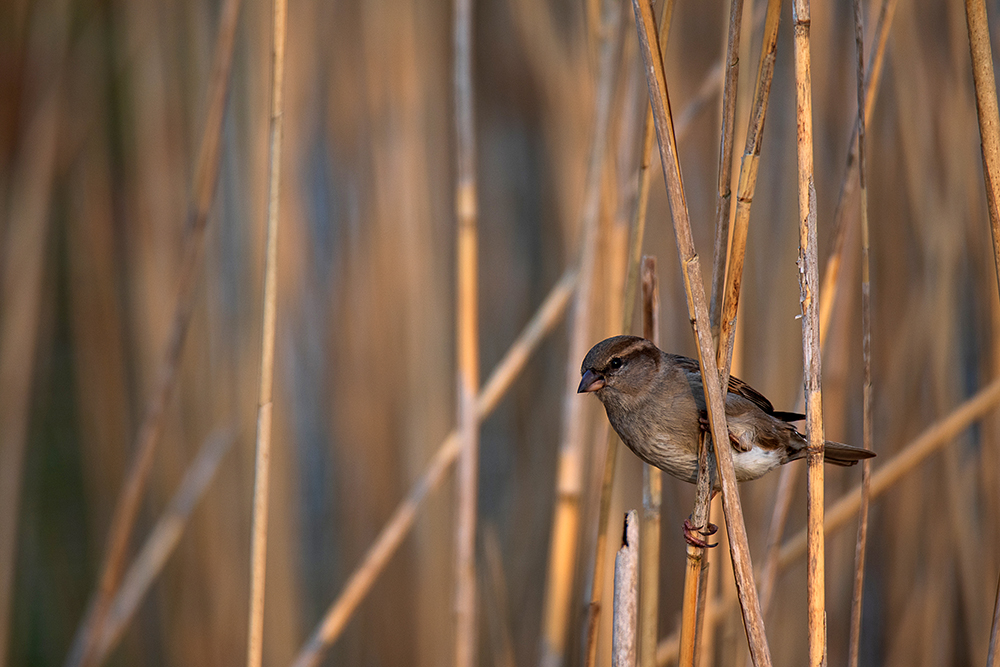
x=866, y=344
x=90, y=630
x=265, y=405
x=747, y=186
x=468, y=339
x=566, y=520
x=652, y=491
x=723, y=203
x=808, y=286
x=698, y=312
x=623, y=644
x=989, y=117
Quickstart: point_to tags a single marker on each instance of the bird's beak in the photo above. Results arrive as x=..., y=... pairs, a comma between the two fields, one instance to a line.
x=591, y=382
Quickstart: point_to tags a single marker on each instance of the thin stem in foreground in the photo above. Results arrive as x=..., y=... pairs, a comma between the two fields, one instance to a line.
x=808, y=287
x=265, y=405
x=866, y=344
x=466, y=203
x=652, y=491
x=698, y=313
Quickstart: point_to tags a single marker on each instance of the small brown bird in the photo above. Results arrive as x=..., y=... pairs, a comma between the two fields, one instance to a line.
x=656, y=403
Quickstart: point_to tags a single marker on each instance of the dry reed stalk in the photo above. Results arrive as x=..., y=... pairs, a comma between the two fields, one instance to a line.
x=989, y=116
x=747, y=185
x=593, y=590
x=466, y=213
x=697, y=563
x=866, y=344
x=829, y=290
x=652, y=491
x=698, y=313
x=566, y=512
x=626, y=603
x=265, y=404
x=808, y=286
x=401, y=521
x=162, y=540
x=994, y=648
x=130, y=498
x=723, y=203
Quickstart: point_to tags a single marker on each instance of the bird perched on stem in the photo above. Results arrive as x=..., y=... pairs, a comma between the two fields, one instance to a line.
x=656, y=403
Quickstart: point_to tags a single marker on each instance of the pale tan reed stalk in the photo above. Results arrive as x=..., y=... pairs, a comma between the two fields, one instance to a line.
x=626, y=603
x=697, y=562
x=162, y=540
x=698, y=312
x=130, y=498
x=401, y=521
x=467, y=334
x=265, y=405
x=933, y=438
x=564, y=538
x=652, y=492
x=724, y=199
x=866, y=344
x=989, y=116
x=808, y=287
x=828, y=292
x=746, y=188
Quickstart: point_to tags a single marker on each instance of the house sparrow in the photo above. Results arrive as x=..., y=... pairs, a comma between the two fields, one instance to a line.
x=656, y=403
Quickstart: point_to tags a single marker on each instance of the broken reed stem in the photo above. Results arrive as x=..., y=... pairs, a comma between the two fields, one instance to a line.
x=808, y=285
x=866, y=343
x=698, y=312
x=265, y=405
x=129, y=500
x=566, y=512
x=399, y=524
x=989, y=117
x=466, y=203
x=723, y=203
x=652, y=490
x=828, y=295
x=625, y=614
x=747, y=185
x=162, y=540
x=994, y=648
x=593, y=588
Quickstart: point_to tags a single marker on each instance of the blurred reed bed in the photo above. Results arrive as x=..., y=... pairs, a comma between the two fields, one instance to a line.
x=102, y=111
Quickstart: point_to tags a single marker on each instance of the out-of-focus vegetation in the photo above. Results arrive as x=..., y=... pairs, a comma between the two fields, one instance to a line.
x=102, y=109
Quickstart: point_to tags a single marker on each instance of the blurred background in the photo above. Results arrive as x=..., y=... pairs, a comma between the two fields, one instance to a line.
x=102, y=109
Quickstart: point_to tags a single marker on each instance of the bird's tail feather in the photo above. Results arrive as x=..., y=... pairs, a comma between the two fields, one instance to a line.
x=840, y=454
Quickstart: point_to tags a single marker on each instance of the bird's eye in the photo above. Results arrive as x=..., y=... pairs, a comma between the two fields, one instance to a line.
x=616, y=363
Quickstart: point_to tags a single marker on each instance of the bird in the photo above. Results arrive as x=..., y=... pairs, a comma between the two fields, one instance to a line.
x=655, y=401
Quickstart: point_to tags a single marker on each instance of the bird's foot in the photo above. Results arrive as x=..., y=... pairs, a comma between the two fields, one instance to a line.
x=692, y=534
x=706, y=427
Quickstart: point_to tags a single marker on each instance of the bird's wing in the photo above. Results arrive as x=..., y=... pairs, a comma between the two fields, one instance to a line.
x=738, y=387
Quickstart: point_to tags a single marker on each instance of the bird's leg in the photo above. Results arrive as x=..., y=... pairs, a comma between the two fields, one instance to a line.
x=692, y=532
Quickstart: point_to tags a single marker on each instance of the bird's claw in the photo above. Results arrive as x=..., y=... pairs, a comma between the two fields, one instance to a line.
x=692, y=532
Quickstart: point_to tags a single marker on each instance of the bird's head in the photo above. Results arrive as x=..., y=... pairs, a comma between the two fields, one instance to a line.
x=619, y=365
